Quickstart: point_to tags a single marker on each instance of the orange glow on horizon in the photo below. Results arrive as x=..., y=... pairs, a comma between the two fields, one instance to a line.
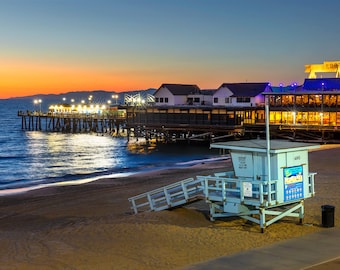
x=25, y=79
x=31, y=77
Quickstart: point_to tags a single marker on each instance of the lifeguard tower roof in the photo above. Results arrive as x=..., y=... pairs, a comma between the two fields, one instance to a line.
x=258, y=145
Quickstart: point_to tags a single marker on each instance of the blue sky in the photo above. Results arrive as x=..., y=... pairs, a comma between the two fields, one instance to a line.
x=62, y=45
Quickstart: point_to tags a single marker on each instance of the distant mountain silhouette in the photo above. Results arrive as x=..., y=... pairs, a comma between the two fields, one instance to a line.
x=98, y=96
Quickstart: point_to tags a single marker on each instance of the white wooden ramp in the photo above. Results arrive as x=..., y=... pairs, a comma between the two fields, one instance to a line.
x=169, y=196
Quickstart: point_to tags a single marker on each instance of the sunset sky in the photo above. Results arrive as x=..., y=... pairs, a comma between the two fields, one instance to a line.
x=56, y=46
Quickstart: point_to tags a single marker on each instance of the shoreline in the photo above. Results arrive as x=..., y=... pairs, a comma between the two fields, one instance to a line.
x=92, y=226
x=111, y=177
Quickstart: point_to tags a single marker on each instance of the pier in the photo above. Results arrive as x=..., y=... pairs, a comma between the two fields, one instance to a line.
x=292, y=121
x=72, y=122
x=306, y=116
x=175, y=124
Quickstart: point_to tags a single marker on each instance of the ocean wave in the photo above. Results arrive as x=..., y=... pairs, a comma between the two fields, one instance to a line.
x=22, y=189
x=71, y=178
x=11, y=157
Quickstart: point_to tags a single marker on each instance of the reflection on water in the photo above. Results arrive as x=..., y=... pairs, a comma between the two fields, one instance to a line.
x=79, y=153
x=141, y=146
x=32, y=158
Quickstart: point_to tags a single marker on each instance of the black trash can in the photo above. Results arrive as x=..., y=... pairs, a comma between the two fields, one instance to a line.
x=327, y=216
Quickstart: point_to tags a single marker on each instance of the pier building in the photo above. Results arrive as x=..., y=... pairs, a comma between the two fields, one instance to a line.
x=310, y=112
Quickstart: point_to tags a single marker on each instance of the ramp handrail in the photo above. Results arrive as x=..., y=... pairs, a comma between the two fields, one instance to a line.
x=168, y=196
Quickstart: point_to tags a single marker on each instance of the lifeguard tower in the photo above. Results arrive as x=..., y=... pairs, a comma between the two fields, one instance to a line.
x=251, y=191
x=255, y=192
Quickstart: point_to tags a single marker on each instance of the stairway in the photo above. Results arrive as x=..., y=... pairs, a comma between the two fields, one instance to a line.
x=170, y=196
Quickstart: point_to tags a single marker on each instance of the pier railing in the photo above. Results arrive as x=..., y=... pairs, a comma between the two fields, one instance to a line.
x=72, y=115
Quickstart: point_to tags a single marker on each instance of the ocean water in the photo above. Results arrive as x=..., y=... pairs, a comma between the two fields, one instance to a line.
x=35, y=159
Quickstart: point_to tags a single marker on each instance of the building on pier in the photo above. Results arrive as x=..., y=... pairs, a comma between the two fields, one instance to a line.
x=228, y=95
x=241, y=94
x=307, y=112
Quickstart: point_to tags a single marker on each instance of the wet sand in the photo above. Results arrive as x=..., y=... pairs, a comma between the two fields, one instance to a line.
x=91, y=226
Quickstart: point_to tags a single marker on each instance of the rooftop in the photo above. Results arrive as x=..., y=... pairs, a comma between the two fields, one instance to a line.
x=258, y=145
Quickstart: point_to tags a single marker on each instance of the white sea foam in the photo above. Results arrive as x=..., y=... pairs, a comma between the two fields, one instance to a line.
x=62, y=183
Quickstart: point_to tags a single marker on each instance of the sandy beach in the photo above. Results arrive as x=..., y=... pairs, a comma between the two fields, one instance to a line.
x=91, y=226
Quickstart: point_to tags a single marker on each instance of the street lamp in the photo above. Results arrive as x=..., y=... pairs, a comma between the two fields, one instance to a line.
x=281, y=85
x=115, y=97
x=38, y=101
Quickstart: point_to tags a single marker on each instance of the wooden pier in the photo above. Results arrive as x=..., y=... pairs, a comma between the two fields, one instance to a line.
x=198, y=124
x=71, y=122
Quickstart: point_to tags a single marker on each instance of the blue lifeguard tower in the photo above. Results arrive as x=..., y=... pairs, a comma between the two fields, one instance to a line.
x=255, y=192
x=251, y=190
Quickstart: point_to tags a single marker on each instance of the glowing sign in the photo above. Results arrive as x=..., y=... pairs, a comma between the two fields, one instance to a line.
x=326, y=67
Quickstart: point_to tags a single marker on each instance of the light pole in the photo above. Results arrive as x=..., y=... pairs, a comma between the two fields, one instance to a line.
x=38, y=101
x=115, y=97
x=281, y=85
